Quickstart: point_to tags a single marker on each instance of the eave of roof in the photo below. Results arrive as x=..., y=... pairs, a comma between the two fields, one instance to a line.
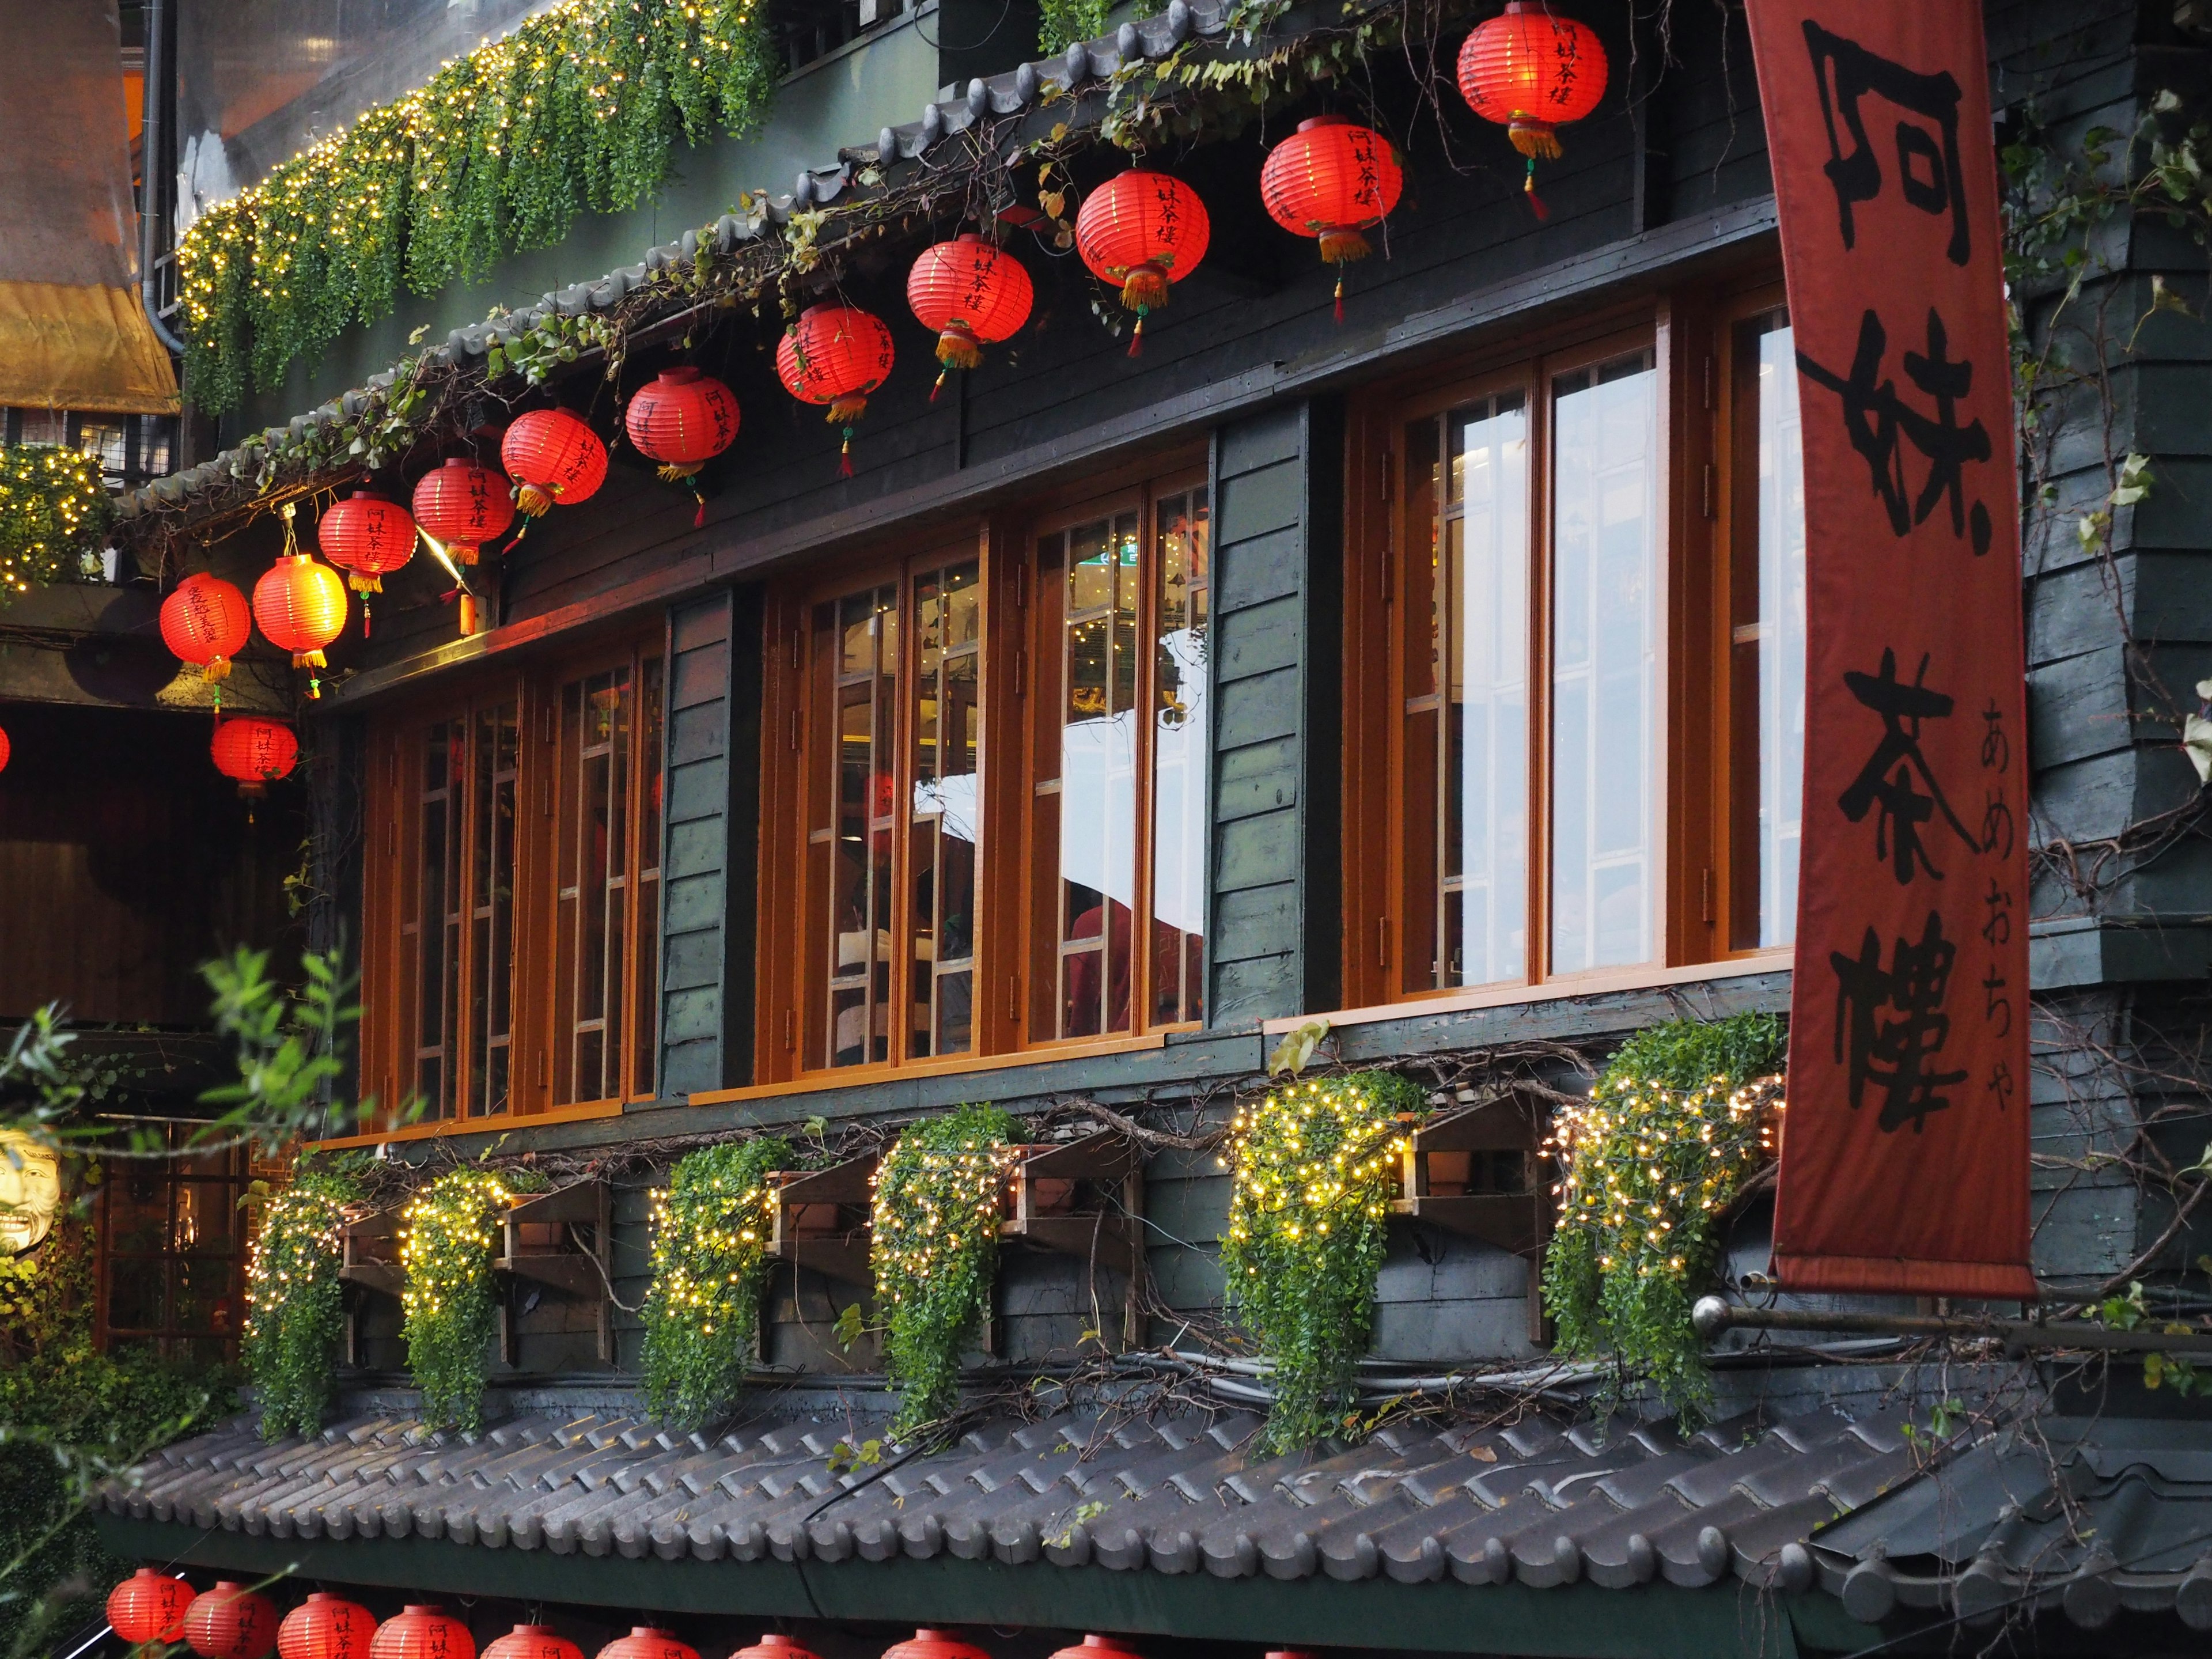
x=1038, y=92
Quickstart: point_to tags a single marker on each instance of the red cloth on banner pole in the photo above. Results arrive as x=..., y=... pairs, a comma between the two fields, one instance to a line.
x=1904, y=1153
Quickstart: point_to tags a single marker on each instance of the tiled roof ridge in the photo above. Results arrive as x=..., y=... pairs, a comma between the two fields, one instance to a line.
x=1541, y=1502
x=1017, y=91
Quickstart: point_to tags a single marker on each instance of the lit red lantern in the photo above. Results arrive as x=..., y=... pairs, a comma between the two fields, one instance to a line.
x=973, y=294
x=300, y=606
x=773, y=1646
x=148, y=1606
x=644, y=1642
x=1531, y=71
x=553, y=457
x=367, y=538
x=423, y=1632
x=254, y=751
x=230, y=1622
x=6, y=748
x=324, y=1626
x=835, y=354
x=1095, y=1647
x=1334, y=179
x=1145, y=231
x=683, y=420
x=461, y=506
x=533, y=1642
x=206, y=622
x=934, y=1644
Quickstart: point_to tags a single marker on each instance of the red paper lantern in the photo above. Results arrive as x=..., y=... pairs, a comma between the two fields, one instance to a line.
x=644, y=1642
x=773, y=1646
x=1333, y=179
x=254, y=750
x=301, y=608
x=367, y=538
x=230, y=1622
x=206, y=622
x=1144, y=230
x=423, y=1632
x=1532, y=70
x=148, y=1606
x=552, y=456
x=683, y=420
x=324, y=1626
x=533, y=1642
x=5, y=751
x=461, y=506
x=835, y=354
x=934, y=1644
x=1095, y=1647
x=973, y=294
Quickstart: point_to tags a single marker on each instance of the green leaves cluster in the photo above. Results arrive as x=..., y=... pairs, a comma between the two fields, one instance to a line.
x=450, y=1303
x=579, y=109
x=709, y=1262
x=1671, y=1132
x=1061, y=23
x=53, y=507
x=934, y=1252
x=1314, y=1163
x=296, y=1315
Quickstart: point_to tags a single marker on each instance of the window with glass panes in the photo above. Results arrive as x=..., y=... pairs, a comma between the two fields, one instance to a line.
x=1119, y=765
x=171, y=1249
x=1539, y=811
x=606, y=853
x=893, y=865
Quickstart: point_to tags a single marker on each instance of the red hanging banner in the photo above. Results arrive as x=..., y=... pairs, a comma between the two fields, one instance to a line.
x=1904, y=1163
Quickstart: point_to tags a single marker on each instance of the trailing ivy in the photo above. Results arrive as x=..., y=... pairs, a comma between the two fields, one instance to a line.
x=296, y=1313
x=709, y=1261
x=1314, y=1163
x=934, y=1251
x=1680, y=1118
x=580, y=108
x=53, y=507
x=452, y=1311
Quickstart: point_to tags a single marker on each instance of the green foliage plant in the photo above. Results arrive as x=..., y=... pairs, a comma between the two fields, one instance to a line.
x=577, y=109
x=449, y=1300
x=296, y=1314
x=934, y=1252
x=1681, y=1117
x=710, y=1233
x=53, y=507
x=1061, y=23
x=1314, y=1162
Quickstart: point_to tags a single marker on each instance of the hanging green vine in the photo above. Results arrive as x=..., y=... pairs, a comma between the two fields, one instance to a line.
x=578, y=109
x=451, y=1303
x=1682, y=1116
x=1314, y=1163
x=53, y=507
x=934, y=1252
x=710, y=1234
x=296, y=1314
x=1061, y=23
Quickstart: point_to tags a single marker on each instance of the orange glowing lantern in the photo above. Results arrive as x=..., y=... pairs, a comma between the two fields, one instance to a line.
x=367, y=538
x=461, y=506
x=230, y=1622
x=683, y=420
x=254, y=751
x=1332, y=180
x=973, y=295
x=325, y=1626
x=300, y=606
x=533, y=1642
x=148, y=1606
x=644, y=1642
x=835, y=354
x=1145, y=231
x=1531, y=71
x=552, y=456
x=423, y=1632
x=206, y=622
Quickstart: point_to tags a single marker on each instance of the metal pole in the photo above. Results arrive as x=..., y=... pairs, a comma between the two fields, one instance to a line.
x=153, y=169
x=1714, y=1317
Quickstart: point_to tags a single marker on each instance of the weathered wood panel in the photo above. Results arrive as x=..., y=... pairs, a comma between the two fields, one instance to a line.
x=695, y=869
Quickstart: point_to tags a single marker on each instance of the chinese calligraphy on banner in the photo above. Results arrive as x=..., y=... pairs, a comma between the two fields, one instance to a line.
x=1905, y=1163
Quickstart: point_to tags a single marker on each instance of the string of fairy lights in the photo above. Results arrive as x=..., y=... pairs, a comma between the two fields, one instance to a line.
x=578, y=109
x=295, y=1313
x=53, y=505
x=711, y=1229
x=449, y=1232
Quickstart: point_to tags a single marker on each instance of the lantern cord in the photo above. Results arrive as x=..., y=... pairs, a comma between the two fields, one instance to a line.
x=291, y=537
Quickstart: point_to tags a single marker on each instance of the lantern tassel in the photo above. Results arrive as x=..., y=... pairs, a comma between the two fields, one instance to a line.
x=940, y=386
x=464, y=553
x=675, y=472
x=364, y=581
x=1144, y=288
x=699, y=519
x=1533, y=137
x=1528, y=188
x=1137, y=337
x=845, y=456
x=534, y=501
x=364, y=614
x=216, y=669
x=309, y=659
x=958, y=348
x=1340, y=295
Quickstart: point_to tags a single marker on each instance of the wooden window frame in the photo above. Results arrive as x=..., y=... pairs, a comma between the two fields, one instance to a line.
x=390, y=1008
x=1038, y=994
x=795, y=725
x=173, y=1172
x=1685, y=331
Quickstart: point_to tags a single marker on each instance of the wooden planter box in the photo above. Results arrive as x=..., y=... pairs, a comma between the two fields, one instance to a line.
x=559, y=1242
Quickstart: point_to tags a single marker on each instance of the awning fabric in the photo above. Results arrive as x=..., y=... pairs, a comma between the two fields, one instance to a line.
x=72, y=335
